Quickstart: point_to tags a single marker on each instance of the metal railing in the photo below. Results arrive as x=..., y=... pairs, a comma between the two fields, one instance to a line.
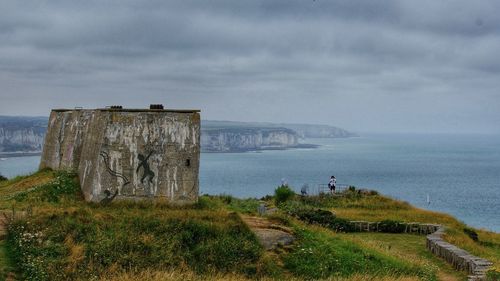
x=322, y=188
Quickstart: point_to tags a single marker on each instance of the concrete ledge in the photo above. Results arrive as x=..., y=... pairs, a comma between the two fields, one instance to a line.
x=129, y=110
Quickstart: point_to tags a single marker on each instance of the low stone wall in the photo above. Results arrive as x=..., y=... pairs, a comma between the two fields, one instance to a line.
x=460, y=259
x=412, y=227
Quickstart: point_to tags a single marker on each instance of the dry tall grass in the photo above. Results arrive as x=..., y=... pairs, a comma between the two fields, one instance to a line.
x=152, y=275
x=407, y=247
x=488, y=248
x=11, y=187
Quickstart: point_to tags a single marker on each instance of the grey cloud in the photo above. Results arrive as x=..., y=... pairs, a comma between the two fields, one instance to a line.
x=350, y=63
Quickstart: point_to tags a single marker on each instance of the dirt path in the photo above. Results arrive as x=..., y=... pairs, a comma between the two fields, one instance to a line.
x=3, y=226
x=270, y=235
x=5, y=266
x=443, y=276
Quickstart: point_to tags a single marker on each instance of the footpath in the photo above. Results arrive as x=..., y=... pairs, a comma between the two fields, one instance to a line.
x=5, y=270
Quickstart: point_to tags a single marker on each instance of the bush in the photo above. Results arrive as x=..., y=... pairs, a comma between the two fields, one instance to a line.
x=471, y=233
x=391, y=226
x=2, y=178
x=282, y=194
x=322, y=217
x=341, y=225
x=226, y=198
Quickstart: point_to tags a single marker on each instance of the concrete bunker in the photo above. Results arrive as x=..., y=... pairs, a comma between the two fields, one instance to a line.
x=127, y=153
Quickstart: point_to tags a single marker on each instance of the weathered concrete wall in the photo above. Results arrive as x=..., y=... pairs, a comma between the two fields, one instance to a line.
x=135, y=153
x=64, y=139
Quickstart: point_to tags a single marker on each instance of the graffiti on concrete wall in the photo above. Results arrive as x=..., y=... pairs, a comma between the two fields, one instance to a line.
x=105, y=157
x=147, y=174
x=109, y=197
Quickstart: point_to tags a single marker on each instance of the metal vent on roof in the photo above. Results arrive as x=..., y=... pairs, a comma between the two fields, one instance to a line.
x=156, y=106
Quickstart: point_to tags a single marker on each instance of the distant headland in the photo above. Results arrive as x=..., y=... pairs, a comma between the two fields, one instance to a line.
x=24, y=135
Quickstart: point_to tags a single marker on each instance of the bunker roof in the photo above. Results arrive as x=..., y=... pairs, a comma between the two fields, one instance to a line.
x=130, y=110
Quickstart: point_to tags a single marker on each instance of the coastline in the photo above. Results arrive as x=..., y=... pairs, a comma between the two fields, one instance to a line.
x=19, y=154
x=299, y=146
x=388, y=163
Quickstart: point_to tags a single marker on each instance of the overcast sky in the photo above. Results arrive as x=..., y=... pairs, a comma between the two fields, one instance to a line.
x=388, y=66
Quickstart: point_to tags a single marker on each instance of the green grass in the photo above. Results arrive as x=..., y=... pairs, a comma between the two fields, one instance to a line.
x=64, y=238
x=246, y=206
x=63, y=187
x=6, y=264
x=20, y=184
x=319, y=254
x=68, y=239
x=92, y=241
x=405, y=247
x=354, y=206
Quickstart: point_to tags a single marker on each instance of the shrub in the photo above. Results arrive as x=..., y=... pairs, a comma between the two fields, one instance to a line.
x=282, y=194
x=391, y=226
x=367, y=192
x=322, y=217
x=226, y=198
x=471, y=233
x=2, y=178
x=341, y=225
x=266, y=198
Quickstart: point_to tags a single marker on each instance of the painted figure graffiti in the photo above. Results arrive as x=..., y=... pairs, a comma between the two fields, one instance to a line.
x=105, y=158
x=147, y=173
x=109, y=198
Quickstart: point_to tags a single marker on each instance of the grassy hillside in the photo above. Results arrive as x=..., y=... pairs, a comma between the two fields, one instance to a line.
x=61, y=237
x=378, y=208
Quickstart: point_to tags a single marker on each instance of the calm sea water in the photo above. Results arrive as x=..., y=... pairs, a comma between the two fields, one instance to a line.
x=460, y=173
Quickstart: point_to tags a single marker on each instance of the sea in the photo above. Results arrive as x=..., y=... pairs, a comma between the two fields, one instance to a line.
x=455, y=174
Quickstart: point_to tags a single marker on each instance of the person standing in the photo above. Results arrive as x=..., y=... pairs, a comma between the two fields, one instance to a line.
x=332, y=184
